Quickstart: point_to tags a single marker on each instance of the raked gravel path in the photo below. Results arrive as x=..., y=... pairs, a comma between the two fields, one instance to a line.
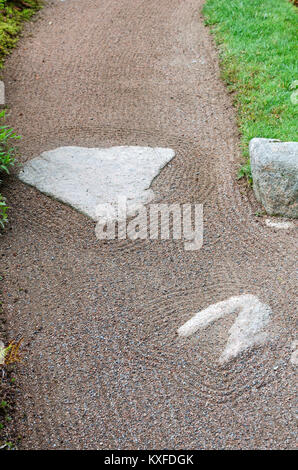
x=104, y=366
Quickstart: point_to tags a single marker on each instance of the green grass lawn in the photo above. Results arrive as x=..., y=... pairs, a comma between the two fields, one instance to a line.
x=258, y=54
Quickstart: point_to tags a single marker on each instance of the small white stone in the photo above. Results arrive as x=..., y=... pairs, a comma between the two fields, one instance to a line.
x=2, y=94
x=279, y=225
x=2, y=356
x=294, y=356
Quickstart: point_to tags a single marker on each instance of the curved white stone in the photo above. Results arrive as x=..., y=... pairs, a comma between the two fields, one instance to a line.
x=86, y=177
x=247, y=330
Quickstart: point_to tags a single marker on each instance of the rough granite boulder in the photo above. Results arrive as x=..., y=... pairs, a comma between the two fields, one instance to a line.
x=274, y=167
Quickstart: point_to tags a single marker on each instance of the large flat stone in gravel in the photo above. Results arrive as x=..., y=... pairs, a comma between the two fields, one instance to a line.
x=85, y=177
x=274, y=167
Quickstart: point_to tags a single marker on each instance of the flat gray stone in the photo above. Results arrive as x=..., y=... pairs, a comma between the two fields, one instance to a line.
x=274, y=167
x=2, y=94
x=86, y=177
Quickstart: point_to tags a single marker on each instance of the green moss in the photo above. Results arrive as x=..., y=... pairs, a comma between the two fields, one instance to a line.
x=12, y=14
x=258, y=53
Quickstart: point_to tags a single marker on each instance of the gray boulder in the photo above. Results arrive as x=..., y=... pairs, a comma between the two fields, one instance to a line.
x=274, y=167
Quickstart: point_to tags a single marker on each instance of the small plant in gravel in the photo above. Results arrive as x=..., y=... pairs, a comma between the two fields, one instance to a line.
x=7, y=160
x=3, y=211
x=6, y=151
x=9, y=356
x=11, y=353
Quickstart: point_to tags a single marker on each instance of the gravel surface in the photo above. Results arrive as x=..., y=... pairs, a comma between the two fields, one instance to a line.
x=104, y=366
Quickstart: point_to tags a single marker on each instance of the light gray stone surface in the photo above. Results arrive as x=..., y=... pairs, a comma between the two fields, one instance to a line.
x=274, y=167
x=2, y=355
x=276, y=224
x=294, y=356
x=86, y=177
x=2, y=94
x=248, y=330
